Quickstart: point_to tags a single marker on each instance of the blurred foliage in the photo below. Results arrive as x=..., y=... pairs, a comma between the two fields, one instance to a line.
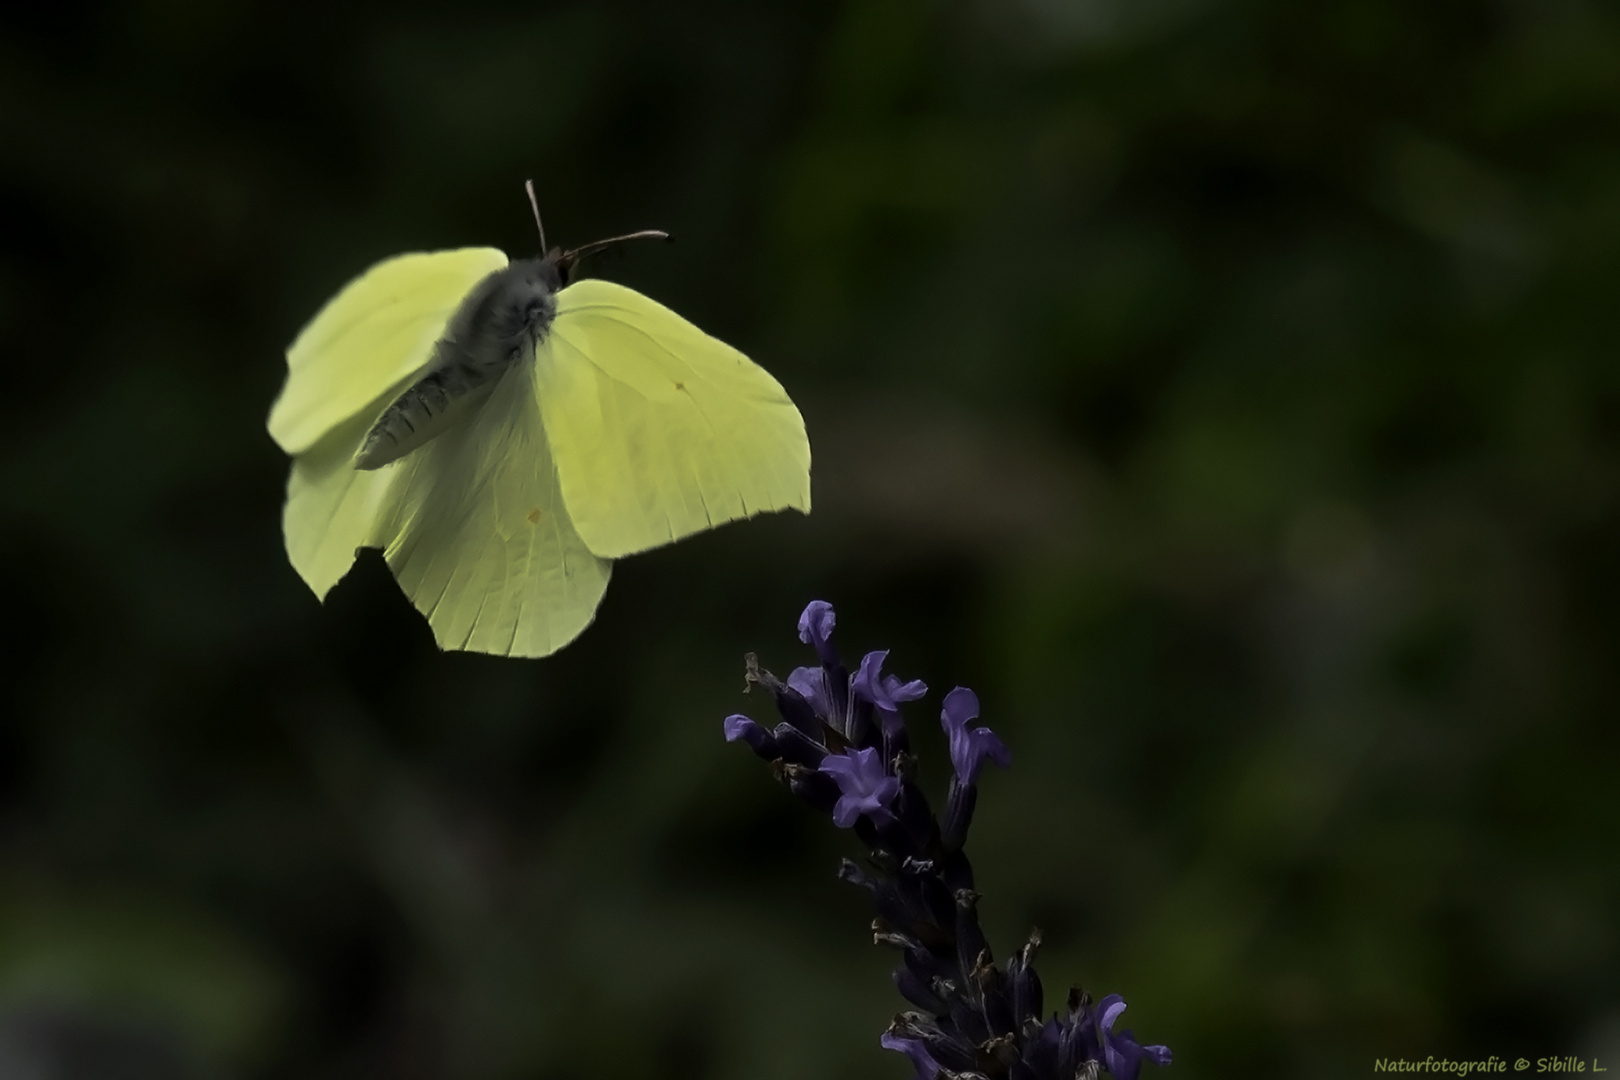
x=1226, y=389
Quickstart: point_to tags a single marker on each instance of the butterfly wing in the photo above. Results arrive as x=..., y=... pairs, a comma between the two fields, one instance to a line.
x=660, y=430
x=373, y=335
x=472, y=525
x=479, y=537
x=332, y=507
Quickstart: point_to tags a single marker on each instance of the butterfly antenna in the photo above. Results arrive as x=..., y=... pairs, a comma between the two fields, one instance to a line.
x=591, y=249
x=528, y=185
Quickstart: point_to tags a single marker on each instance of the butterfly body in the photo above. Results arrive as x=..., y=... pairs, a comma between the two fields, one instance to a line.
x=535, y=429
x=497, y=325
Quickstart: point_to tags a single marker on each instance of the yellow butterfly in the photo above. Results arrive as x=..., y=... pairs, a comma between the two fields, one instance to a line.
x=503, y=434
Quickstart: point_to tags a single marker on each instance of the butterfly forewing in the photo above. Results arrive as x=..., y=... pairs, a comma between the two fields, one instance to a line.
x=377, y=332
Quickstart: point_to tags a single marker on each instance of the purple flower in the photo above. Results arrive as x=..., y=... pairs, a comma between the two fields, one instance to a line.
x=811, y=684
x=740, y=727
x=970, y=745
x=1121, y=1053
x=864, y=787
x=816, y=627
x=885, y=692
x=927, y=1067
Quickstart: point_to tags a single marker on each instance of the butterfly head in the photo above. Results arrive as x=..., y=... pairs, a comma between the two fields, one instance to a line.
x=520, y=300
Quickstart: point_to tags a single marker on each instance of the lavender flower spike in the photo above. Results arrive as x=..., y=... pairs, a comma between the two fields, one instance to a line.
x=976, y=1021
x=863, y=787
x=885, y=692
x=816, y=627
x=970, y=745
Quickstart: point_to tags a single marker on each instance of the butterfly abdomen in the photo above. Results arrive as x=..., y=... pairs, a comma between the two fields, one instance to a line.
x=496, y=325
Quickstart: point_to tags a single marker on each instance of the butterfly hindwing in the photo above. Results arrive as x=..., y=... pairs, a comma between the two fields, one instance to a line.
x=658, y=429
x=478, y=536
x=332, y=507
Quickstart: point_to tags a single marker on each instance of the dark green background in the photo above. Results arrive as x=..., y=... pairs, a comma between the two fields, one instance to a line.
x=1226, y=389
